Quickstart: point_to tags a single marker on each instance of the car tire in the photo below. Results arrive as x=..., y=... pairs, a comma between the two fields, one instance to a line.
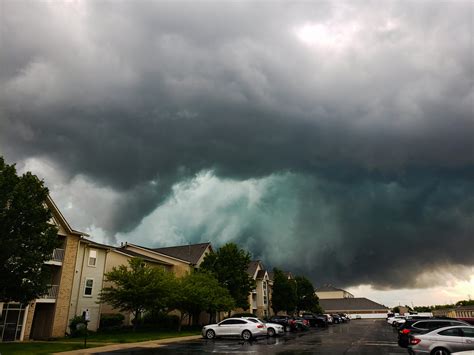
x=246, y=335
x=210, y=334
x=440, y=351
x=271, y=332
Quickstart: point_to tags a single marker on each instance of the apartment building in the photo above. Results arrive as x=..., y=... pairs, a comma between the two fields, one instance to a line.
x=47, y=316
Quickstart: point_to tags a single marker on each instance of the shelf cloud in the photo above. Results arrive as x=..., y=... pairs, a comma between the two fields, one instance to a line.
x=333, y=135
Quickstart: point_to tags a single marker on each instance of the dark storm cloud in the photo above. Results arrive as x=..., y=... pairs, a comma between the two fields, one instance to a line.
x=139, y=98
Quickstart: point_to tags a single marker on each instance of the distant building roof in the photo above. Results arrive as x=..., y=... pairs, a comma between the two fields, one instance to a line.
x=252, y=268
x=191, y=252
x=328, y=288
x=144, y=257
x=351, y=304
x=261, y=274
x=288, y=274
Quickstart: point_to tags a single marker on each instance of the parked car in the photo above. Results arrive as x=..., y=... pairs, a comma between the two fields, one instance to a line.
x=345, y=317
x=232, y=327
x=315, y=320
x=393, y=319
x=443, y=341
x=329, y=318
x=273, y=329
x=300, y=323
x=284, y=321
x=336, y=318
x=413, y=327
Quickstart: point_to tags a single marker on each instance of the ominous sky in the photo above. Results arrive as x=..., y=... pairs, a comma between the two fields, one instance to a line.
x=332, y=139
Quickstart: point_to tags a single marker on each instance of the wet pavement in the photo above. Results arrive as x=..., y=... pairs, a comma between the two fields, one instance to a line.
x=356, y=337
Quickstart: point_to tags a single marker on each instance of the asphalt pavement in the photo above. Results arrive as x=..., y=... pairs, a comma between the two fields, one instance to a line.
x=355, y=337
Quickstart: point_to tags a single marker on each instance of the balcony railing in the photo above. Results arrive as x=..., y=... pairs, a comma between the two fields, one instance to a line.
x=52, y=292
x=58, y=255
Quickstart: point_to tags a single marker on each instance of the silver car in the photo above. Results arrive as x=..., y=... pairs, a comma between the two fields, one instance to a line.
x=273, y=329
x=232, y=327
x=443, y=341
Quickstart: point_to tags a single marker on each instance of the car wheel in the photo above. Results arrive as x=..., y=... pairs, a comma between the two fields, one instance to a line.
x=210, y=334
x=440, y=351
x=246, y=335
x=271, y=332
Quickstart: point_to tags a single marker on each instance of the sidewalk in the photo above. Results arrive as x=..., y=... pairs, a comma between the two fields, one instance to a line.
x=121, y=346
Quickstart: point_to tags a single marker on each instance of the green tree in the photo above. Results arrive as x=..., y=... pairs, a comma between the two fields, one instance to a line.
x=229, y=265
x=306, y=298
x=284, y=297
x=27, y=238
x=396, y=309
x=465, y=303
x=200, y=291
x=138, y=287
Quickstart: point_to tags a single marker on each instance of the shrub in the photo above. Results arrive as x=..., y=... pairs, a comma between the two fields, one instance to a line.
x=77, y=327
x=111, y=320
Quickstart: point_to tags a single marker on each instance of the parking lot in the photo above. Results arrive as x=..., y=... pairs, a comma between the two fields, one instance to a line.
x=356, y=337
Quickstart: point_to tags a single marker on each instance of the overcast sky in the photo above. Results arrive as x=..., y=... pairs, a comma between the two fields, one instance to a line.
x=332, y=139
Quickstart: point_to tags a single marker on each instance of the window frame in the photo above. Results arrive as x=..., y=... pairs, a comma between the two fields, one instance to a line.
x=88, y=287
x=90, y=257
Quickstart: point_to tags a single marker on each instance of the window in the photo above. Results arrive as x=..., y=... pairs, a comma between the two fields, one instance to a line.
x=88, y=287
x=92, y=257
x=453, y=332
x=468, y=332
x=227, y=322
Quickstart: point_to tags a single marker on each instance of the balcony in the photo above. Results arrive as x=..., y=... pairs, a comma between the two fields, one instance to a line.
x=57, y=257
x=51, y=294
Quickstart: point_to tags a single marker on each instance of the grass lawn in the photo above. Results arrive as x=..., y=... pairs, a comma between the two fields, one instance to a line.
x=37, y=348
x=93, y=340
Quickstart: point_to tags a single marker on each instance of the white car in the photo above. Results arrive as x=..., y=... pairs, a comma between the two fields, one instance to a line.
x=232, y=327
x=273, y=329
x=443, y=341
x=391, y=320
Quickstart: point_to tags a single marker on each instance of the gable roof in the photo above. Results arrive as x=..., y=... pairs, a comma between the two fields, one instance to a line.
x=252, y=268
x=126, y=245
x=141, y=256
x=351, y=304
x=328, y=288
x=59, y=216
x=261, y=274
x=288, y=274
x=191, y=252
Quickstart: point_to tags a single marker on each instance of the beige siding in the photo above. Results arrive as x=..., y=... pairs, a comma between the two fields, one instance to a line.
x=79, y=301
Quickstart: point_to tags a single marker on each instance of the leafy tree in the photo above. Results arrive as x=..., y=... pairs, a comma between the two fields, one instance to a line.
x=396, y=309
x=138, y=287
x=200, y=291
x=465, y=303
x=27, y=238
x=284, y=297
x=306, y=298
x=229, y=265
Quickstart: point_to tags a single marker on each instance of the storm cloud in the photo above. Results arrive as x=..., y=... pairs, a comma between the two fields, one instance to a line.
x=351, y=125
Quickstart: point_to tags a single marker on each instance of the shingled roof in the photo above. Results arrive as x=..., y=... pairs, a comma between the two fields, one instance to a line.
x=141, y=256
x=252, y=268
x=351, y=304
x=328, y=288
x=191, y=252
